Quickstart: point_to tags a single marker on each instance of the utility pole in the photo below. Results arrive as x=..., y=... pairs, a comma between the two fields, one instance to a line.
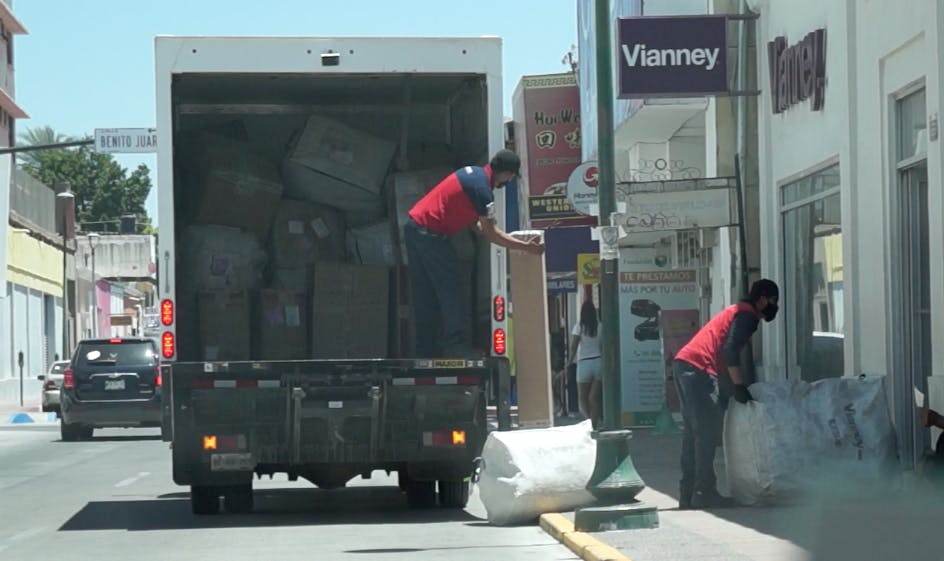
x=66, y=201
x=614, y=478
x=93, y=240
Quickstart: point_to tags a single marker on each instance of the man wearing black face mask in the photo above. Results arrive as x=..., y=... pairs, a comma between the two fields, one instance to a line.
x=707, y=371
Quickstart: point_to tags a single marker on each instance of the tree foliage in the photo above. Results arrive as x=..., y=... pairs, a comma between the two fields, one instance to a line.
x=104, y=190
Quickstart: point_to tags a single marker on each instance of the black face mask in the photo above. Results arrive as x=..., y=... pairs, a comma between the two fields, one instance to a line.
x=770, y=311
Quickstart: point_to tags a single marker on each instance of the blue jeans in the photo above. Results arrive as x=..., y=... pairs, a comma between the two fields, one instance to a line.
x=437, y=292
x=703, y=412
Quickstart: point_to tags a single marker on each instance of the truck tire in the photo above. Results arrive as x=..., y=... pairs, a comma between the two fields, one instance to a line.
x=454, y=494
x=238, y=499
x=204, y=500
x=421, y=494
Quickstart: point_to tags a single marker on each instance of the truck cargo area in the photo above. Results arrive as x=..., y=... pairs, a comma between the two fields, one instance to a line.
x=291, y=192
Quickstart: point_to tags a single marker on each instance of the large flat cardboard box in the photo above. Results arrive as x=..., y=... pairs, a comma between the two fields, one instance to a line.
x=224, y=324
x=334, y=164
x=304, y=233
x=281, y=325
x=532, y=338
x=236, y=186
x=350, y=311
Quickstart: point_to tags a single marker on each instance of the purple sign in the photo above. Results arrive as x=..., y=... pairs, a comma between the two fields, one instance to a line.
x=673, y=56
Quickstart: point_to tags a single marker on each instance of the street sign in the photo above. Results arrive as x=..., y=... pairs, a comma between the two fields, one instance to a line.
x=125, y=141
x=678, y=210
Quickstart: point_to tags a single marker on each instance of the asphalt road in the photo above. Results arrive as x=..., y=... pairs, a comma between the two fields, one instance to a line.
x=113, y=499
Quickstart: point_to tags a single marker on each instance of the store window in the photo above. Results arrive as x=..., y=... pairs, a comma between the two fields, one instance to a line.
x=813, y=279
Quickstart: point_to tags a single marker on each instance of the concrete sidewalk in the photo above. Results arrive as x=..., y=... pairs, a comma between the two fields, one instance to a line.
x=12, y=413
x=869, y=525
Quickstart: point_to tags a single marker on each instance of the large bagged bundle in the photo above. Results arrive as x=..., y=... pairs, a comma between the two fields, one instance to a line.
x=526, y=473
x=799, y=438
x=220, y=257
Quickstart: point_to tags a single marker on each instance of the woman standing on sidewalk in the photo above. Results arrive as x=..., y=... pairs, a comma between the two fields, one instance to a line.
x=585, y=348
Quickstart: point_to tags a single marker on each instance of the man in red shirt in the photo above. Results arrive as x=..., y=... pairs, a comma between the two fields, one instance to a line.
x=707, y=372
x=460, y=200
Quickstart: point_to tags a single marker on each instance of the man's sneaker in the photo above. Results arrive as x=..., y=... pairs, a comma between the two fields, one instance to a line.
x=710, y=499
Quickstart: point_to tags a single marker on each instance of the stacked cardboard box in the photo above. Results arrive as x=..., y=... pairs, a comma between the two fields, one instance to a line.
x=333, y=164
x=224, y=317
x=282, y=324
x=303, y=234
x=350, y=311
x=236, y=186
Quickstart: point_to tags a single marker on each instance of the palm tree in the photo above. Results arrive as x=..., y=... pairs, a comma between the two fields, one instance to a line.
x=36, y=136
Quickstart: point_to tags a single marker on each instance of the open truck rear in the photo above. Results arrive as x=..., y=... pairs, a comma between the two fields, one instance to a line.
x=285, y=170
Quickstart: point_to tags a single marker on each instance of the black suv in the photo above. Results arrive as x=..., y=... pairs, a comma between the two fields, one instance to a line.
x=111, y=383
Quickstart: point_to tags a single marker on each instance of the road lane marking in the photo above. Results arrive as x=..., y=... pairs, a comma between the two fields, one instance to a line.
x=130, y=480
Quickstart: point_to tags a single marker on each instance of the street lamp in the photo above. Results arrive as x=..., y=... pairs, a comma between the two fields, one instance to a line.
x=66, y=201
x=93, y=241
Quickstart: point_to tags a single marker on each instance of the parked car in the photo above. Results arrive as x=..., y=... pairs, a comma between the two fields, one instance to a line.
x=52, y=381
x=110, y=383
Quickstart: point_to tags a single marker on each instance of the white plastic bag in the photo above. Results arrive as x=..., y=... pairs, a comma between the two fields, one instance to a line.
x=526, y=473
x=798, y=437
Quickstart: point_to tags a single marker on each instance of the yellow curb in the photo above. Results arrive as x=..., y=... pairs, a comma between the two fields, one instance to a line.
x=584, y=545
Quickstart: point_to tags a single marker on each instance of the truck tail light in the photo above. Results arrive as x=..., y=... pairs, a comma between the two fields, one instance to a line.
x=498, y=308
x=168, y=345
x=444, y=438
x=499, y=342
x=167, y=312
x=68, y=378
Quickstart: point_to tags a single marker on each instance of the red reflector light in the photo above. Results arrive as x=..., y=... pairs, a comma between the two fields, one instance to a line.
x=157, y=377
x=115, y=340
x=498, y=308
x=68, y=378
x=498, y=341
x=167, y=312
x=168, y=345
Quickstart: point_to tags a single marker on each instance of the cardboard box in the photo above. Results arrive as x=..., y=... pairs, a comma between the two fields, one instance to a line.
x=532, y=339
x=224, y=324
x=350, y=311
x=303, y=233
x=331, y=163
x=236, y=186
x=371, y=245
x=281, y=325
x=291, y=278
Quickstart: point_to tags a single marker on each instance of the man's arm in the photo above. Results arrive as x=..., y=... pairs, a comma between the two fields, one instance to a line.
x=495, y=235
x=743, y=326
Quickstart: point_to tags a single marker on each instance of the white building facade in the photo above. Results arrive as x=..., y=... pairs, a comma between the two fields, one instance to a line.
x=850, y=173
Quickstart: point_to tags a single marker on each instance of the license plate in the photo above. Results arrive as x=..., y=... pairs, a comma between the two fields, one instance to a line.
x=114, y=384
x=231, y=462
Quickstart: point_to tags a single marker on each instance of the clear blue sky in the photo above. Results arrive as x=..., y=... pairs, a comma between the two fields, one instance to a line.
x=89, y=64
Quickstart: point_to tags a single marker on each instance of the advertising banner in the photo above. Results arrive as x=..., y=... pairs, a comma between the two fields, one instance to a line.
x=647, y=291
x=547, y=131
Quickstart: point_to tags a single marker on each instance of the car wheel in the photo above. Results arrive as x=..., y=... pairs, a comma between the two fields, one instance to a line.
x=69, y=432
x=85, y=433
x=238, y=499
x=454, y=494
x=204, y=500
x=421, y=494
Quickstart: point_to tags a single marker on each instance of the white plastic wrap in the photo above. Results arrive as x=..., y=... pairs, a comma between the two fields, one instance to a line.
x=798, y=437
x=371, y=245
x=526, y=473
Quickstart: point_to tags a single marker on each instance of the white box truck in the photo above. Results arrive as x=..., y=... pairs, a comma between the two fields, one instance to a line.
x=260, y=380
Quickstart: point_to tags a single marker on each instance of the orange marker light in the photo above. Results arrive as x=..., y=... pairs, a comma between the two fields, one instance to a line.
x=209, y=442
x=458, y=437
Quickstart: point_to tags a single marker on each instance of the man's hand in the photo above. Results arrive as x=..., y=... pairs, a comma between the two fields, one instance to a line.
x=741, y=394
x=535, y=246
